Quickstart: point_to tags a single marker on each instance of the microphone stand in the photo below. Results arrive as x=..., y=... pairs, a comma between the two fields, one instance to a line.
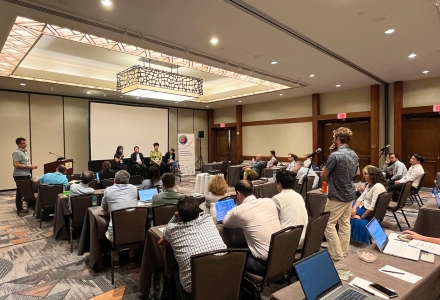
x=311, y=156
x=381, y=153
x=59, y=156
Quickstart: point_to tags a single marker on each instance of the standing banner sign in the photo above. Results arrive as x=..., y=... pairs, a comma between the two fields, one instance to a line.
x=187, y=155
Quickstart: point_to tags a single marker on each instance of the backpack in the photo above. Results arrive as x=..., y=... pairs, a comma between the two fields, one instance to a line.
x=159, y=286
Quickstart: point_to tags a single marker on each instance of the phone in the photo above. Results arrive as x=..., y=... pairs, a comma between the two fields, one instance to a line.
x=383, y=290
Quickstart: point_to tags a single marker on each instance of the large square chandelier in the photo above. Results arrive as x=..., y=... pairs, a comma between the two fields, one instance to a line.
x=147, y=82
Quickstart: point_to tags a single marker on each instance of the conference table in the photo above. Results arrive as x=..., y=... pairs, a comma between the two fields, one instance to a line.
x=315, y=203
x=202, y=181
x=211, y=166
x=234, y=174
x=268, y=172
x=162, y=257
x=427, y=288
x=266, y=190
x=428, y=219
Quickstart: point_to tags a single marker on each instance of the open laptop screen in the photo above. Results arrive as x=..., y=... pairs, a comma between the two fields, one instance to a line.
x=222, y=208
x=378, y=234
x=147, y=195
x=437, y=198
x=317, y=275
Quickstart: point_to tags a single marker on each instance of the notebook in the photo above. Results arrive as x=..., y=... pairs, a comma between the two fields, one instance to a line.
x=222, y=208
x=391, y=244
x=320, y=280
x=437, y=198
x=147, y=195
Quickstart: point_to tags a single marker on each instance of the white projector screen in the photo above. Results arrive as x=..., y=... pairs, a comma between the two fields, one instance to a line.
x=112, y=125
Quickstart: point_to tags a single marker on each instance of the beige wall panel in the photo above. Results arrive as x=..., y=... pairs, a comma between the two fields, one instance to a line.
x=283, y=138
x=172, y=127
x=224, y=115
x=391, y=117
x=381, y=122
x=46, y=129
x=421, y=92
x=185, y=121
x=345, y=101
x=280, y=109
x=14, y=121
x=201, y=123
x=76, y=132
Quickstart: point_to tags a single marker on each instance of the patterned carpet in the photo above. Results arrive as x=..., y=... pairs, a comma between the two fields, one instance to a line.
x=34, y=266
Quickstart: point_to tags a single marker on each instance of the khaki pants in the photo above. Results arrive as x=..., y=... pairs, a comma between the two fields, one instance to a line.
x=338, y=242
x=248, y=172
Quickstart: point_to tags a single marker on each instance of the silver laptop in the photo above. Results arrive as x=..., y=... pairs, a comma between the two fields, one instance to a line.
x=391, y=244
x=146, y=196
x=320, y=280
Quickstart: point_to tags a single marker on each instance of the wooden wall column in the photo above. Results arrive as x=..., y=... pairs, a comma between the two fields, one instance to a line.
x=315, y=125
x=212, y=138
x=398, y=105
x=239, y=128
x=374, y=123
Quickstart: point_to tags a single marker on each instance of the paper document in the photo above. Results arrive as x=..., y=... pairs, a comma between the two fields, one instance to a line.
x=425, y=246
x=365, y=284
x=406, y=276
x=161, y=229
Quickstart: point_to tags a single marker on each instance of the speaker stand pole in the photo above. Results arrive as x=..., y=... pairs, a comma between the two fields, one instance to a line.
x=199, y=162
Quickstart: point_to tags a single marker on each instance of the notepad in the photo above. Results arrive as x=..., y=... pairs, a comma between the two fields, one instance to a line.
x=161, y=229
x=406, y=276
x=365, y=284
x=425, y=246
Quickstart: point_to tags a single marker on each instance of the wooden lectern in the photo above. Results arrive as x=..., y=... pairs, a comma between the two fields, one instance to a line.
x=52, y=166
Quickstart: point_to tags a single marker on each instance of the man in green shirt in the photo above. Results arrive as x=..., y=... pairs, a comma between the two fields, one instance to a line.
x=168, y=195
x=156, y=158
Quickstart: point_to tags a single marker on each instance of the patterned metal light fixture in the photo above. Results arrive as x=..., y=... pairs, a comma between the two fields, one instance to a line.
x=147, y=82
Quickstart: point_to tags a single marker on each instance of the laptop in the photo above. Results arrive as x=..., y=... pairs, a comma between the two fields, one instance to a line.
x=437, y=198
x=391, y=244
x=222, y=208
x=147, y=195
x=320, y=280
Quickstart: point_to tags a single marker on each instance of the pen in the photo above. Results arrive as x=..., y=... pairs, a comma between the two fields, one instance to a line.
x=366, y=291
x=393, y=272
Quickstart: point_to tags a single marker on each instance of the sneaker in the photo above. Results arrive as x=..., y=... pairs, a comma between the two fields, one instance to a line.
x=22, y=211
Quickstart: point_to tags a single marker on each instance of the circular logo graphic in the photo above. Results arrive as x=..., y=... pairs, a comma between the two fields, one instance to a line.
x=183, y=139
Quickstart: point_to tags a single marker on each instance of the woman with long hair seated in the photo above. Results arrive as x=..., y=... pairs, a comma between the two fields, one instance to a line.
x=363, y=208
x=217, y=188
x=153, y=178
x=106, y=172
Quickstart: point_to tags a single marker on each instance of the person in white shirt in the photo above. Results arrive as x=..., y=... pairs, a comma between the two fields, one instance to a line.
x=414, y=174
x=272, y=160
x=292, y=158
x=258, y=218
x=290, y=205
x=397, y=168
x=310, y=173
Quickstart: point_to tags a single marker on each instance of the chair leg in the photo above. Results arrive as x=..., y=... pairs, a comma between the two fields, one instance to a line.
x=71, y=240
x=395, y=217
x=407, y=223
x=411, y=199
x=420, y=198
x=112, y=267
x=41, y=216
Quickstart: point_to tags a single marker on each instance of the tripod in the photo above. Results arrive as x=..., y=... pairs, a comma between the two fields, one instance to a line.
x=199, y=162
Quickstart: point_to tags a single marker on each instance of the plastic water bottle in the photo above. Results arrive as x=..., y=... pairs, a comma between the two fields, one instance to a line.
x=324, y=187
x=97, y=177
x=274, y=175
x=94, y=202
x=253, y=160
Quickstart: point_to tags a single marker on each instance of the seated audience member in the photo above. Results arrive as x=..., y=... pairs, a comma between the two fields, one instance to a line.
x=118, y=196
x=302, y=171
x=272, y=159
x=168, y=195
x=416, y=236
x=82, y=188
x=153, y=178
x=119, y=159
x=137, y=162
x=258, y=218
x=156, y=157
x=396, y=170
x=414, y=174
x=106, y=172
x=189, y=234
x=290, y=205
x=364, y=206
x=217, y=188
x=255, y=170
x=59, y=177
x=170, y=159
x=292, y=158
x=388, y=163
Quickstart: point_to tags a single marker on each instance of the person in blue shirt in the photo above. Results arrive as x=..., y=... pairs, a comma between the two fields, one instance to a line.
x=59, y=177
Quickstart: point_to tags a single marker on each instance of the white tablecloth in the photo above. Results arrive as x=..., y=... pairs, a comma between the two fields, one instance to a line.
x=202, y=181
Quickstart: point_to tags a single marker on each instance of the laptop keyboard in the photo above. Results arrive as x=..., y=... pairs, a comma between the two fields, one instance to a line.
x=351, y=295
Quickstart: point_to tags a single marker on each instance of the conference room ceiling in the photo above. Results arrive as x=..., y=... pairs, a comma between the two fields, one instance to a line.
x=353, y=30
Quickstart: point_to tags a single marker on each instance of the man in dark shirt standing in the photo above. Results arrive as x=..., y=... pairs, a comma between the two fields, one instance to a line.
x=340, y=169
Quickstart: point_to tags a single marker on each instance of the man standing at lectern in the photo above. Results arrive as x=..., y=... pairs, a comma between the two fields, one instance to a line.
x=22, y=170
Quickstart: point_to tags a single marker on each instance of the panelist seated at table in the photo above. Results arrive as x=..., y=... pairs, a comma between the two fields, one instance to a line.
x=302, y=171
x=137, y=161
x=395, y=169
x=59, y=177
x=290, y=205
x=363, y=207
x=153, y=178
x=170, y=159
x=106, y=172
x=118, y=196
x=156, y=157
x=413, y=235
x=168, y=195
x=82, y=188
x=119, y=159
x=255, y=170
x=272, y=159
x=258, y=218
x=189, y=234
x=217, y=188
x=292, y=158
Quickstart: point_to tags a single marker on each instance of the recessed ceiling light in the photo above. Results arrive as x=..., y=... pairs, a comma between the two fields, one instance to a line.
x=214, y=41
x=207, y=105
x=281, y=95
x=425, y=72
x=390, y=31
x=312, y=75
x=412, y=55
x=273, y=62
x=88, y=93
x=22, y=84
x=239, y=101
x=106, y=2
x=338, y=85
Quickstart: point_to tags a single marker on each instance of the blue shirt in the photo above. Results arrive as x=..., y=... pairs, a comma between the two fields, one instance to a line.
x=54, y=178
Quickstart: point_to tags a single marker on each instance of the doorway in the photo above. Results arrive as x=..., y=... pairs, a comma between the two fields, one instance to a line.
x=225, y=144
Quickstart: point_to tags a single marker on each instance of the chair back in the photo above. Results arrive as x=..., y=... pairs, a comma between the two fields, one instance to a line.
x=162, y=214
x=135, y=179
x=306, y=186
x=107, y=182
x=275, y=163
x=224, y=168
x=79, y=206
x=282, y=250
x=382, y=202
x=210, y=272
x=49, y=195
x=239, y=161
x=314, y=234
x=421, y=182
x=404, y=193
x=93, y=184
x=129, y=226
x=295, y=185
x=73, y=177
x=26, y=189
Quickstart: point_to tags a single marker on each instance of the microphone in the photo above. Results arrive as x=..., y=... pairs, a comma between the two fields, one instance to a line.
x=59, y=156
x=313, y=153
x=383, y=149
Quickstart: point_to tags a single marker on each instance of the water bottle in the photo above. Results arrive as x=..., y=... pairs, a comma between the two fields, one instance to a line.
x=94, y=202
x=253, y=160
x=97, y=177
x=274, y=175
x=324, y=187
